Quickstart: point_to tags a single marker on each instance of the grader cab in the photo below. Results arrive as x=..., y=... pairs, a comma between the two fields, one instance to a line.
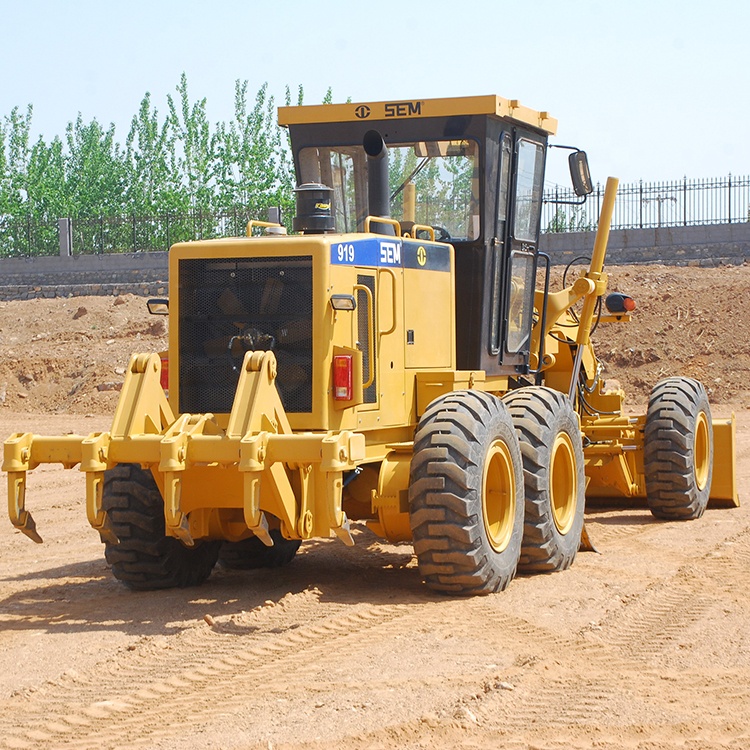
x=390, y=362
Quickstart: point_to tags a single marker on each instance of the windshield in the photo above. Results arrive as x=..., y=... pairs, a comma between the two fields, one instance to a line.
x=433, y=183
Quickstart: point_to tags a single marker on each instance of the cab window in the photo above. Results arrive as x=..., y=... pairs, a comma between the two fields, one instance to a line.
x=434, y=183
x=529, y=175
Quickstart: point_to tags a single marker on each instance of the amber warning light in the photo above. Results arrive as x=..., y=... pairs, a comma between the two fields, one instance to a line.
x=619, y=303
x=342, y=377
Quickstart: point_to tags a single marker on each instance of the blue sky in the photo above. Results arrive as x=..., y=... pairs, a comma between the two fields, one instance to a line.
x=651, y=89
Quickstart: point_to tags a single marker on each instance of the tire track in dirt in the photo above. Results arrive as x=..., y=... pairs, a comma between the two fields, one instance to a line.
x=91, y=711
x=597, y=678
x=566, y=682
x=626, y=526
x=67, y=717
x=614, y=669
x=656, y=618
x=189, y=679
x=603, y=529
x=655, y=621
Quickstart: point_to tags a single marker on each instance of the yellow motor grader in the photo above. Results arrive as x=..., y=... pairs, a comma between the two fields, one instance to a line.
x=389, y=362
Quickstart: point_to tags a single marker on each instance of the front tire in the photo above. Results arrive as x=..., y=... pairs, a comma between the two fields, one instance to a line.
x=678, y=449
x=146, y=559
x=466, y=494
x=554, y=477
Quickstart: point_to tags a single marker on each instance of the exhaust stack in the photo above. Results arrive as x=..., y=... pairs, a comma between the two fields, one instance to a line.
x=378, y=190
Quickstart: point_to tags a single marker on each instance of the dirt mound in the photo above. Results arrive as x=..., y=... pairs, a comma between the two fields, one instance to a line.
x=69, y=355
x=688, y=321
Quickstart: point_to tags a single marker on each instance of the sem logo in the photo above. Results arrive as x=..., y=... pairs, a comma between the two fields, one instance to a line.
x=390, y=254
x=403, y=109
x=421, y=256
x=363, y=111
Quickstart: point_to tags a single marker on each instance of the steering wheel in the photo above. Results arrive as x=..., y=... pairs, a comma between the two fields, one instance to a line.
x=441, y=234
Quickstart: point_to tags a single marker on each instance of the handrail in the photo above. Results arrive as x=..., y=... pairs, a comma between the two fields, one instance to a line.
x=393, y=297
x=383, y=220
x=370, y=335
x=423, y=228
x=257, y=223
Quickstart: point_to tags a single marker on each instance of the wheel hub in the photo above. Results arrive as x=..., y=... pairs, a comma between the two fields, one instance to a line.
x=701, y=450
x=563, y=482
x=499, y=495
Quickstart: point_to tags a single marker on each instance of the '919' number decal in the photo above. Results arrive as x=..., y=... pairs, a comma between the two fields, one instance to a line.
x=345, y=253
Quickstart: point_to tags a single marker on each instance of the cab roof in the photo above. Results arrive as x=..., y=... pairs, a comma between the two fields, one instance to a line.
x=417, y=108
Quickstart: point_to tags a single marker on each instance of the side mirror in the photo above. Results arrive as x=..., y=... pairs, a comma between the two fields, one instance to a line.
x=580, y=174
x=158, y=306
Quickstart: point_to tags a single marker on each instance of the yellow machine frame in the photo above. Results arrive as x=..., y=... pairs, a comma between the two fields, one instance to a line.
x=222, y=475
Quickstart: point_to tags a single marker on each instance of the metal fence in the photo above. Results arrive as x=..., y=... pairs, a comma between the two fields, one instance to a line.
x=26, y=237
x=118, y=234
x=642, y=205
x=123, y=234
x=648, y=205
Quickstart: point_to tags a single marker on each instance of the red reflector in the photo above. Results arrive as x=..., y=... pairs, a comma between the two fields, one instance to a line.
x=629, y=304
x=342, y=377
x=164, y=380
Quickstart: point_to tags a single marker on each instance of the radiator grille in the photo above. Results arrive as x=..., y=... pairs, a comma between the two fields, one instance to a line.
x=229, y=306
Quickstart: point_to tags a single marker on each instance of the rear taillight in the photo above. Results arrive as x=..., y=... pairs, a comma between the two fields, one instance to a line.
x=164, y=380
x=342, y=377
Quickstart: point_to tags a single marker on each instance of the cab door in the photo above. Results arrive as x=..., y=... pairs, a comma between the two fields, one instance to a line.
x=524, y=212
x=380, y=337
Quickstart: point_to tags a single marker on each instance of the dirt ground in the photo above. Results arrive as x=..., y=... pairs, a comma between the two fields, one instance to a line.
x=68, y=356
x=645, y=645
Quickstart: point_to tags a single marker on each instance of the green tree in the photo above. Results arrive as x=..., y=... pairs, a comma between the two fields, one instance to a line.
x=153, y=179
x=47, y=194
x=95, y=170
x=195, y=147
x=574, y=220
x=172, y=165
x=14, y=160
x=252, y=167
x=4, y=176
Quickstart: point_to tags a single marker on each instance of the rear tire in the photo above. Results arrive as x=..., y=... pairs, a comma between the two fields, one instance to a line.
x=466, y=494
x=678, y=449
x=554, y=478
x=251, y=553
x=146, y=559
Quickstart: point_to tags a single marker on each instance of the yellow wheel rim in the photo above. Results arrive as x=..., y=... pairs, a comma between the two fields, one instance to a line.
x=499, y=495
x=701, y=451
x=563, y=482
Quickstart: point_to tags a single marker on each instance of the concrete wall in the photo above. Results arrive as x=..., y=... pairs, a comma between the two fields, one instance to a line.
x=673, y=246
x=73, y=276
x=146, y=273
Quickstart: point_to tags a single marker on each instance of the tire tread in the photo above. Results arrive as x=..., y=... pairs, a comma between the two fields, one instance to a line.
x=145, y=558
x=671, y=490
x=539, y=414
x=445, y=507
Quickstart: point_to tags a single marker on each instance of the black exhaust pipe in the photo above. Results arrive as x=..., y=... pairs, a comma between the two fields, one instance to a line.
x=378, y=189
